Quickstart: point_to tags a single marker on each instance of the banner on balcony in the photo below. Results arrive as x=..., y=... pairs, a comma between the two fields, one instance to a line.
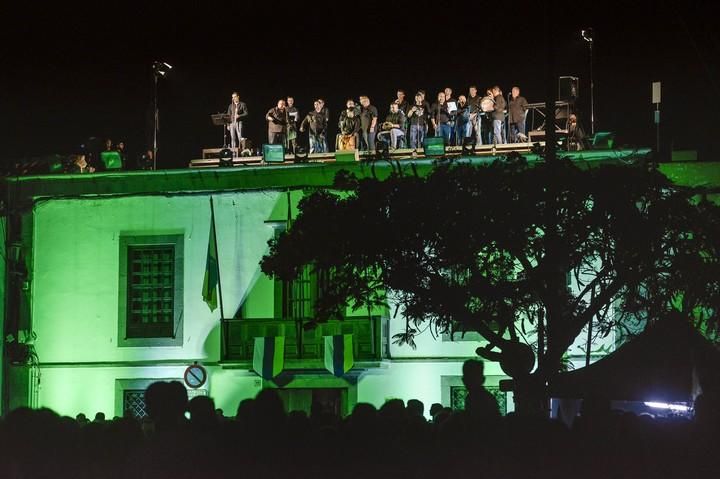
x=339, y=354
x=269, y=356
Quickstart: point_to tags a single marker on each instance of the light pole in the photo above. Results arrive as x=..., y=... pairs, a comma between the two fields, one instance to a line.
x=160, y=69
x=587, y=35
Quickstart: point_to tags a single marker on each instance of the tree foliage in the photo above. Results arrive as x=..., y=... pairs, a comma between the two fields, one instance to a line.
x=507, y=249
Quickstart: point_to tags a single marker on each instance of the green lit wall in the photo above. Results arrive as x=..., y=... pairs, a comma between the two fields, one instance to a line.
x=76, y=261
x=230, y=386
x=417, y=379
x=75, y=280
x=430, y=344
x=83, y=389
x=73, y=390
x=74, y=248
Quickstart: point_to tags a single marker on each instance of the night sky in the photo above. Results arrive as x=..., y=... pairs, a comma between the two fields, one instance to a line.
x=72, y=72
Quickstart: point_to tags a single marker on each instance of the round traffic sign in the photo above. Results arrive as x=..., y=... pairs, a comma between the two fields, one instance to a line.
x=195, y=376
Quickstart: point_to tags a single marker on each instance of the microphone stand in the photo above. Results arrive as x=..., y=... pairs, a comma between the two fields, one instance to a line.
x=156, y=125
x=437, y=118
x=507, y=117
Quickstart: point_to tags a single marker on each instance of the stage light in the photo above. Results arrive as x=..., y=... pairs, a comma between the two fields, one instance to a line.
x=468, y=145
x=161, y=68
x=226, y=157
x=301, y=155
x=662, y=405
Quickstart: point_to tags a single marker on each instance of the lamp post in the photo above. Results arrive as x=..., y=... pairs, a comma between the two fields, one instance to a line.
x=587, y=35
x=160, y=69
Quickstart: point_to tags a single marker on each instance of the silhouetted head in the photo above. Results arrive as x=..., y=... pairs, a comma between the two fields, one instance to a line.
x=268, y=406
x=178, y=398
x=442, y=415
x=415, y=407
x=364, y=412
x=245, y=411
x=155, y=396
x=202, y=410
x=473, y=374
x=166, y=403
x=393, y=409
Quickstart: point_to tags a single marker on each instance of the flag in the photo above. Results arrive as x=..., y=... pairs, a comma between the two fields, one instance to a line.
x=339, y=354
x=212, y=272
x=269, y=356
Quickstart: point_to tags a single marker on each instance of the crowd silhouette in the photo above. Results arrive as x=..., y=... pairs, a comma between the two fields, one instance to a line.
x=394, y=441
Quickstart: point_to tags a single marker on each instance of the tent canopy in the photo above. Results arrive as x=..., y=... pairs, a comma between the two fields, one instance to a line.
x=669, y=362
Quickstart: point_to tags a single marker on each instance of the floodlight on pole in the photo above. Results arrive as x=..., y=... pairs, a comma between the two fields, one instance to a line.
x=587, y=35
x=160, y=70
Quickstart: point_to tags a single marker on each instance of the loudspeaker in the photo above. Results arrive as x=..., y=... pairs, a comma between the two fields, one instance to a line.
x=111, y=160
x=603, y=140
x=656, y=86
x=273, y=153
x=346, y=155
x=434, y=146
x=568, y=88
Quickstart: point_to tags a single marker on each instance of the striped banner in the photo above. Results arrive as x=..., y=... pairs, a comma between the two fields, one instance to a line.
x=269, y=356
x=339, y=354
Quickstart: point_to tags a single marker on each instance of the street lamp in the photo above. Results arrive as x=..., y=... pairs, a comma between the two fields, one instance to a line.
x=160, y=69
x=587, y=35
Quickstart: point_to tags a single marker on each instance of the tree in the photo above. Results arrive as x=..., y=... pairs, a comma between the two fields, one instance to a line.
x=526, y=256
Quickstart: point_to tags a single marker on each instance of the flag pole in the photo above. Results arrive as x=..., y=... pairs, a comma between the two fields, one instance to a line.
x=292, y=285
x=217, y=254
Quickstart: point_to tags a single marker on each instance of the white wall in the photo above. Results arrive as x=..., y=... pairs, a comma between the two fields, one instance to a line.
x=76, y=261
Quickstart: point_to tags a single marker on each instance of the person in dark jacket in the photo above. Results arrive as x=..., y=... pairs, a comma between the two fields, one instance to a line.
x=516, y=116
x=418, y=118
x=349, y=126
x=237, y=111
x=368, y=124
x=498, y=116
x=277, y=119
x=440, y=118
x=292, y=126
x=463, y=125
x=394, y=126
x=315, y=123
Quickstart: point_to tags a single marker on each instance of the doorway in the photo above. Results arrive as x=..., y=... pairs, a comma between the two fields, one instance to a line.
x=331, y=401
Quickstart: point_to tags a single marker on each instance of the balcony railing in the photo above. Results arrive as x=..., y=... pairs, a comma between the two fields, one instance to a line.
x=309, y=346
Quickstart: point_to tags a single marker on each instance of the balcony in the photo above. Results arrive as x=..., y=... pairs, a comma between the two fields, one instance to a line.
x=306, y=350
